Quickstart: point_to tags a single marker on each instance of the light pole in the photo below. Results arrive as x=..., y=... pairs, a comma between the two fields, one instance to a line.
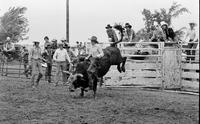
x=67, y=21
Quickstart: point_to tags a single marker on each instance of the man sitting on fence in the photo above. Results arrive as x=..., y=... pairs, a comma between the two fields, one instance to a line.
x=9, y=49
x=168, y=33
x=129, y=33
x=112, y=36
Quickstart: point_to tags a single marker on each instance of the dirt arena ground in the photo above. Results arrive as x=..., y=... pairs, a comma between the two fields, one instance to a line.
x=20, y=104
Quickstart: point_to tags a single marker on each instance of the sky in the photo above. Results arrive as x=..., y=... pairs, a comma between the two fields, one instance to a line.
x=89, y=17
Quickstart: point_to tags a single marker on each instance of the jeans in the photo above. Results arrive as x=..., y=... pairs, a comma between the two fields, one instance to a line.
x=61, y=66
x=36, y=70
x=48, y=72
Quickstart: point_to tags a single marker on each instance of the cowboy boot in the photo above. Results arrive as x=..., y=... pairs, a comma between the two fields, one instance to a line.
x=38, y=79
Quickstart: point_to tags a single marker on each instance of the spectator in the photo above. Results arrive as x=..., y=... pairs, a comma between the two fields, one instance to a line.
x=60, y=56
x=48, y=56
x=46, y=39
x=54, y=45
x=168, y=33
x=192, y=36
x=24, y=55
x=9, y=49
x=129, y=33
x=35, y=58
x=72, y=58
x=157, y=33
x=112, y=36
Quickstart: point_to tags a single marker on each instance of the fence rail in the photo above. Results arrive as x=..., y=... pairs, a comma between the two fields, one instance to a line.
x=151, y=71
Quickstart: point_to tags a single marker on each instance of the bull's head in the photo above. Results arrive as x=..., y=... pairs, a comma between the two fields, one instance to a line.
x=75, y=81
x=93, y=68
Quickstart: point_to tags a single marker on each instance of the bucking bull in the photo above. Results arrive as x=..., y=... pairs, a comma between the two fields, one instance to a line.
x=80, y=77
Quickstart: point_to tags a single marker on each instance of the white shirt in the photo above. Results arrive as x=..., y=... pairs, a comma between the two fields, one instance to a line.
x=96, y=51
x=61, y=55
x=191, y=33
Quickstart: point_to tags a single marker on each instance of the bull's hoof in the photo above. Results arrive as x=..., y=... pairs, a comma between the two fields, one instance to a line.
x=119, y=69
x=123, y=69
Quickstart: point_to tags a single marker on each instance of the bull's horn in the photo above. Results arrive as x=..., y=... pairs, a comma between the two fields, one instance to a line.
x=79, y=75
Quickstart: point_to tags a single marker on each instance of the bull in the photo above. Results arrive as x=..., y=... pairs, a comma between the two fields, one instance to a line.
x=80, y=78
x=82, y=75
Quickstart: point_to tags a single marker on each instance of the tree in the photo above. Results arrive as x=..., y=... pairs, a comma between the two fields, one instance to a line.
x=13, y=24
x=163, y=15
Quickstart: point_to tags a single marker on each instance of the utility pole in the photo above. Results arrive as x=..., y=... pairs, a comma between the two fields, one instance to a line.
x=67, y=21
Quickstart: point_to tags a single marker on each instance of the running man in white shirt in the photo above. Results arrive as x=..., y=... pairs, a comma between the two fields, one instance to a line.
x=60, y=57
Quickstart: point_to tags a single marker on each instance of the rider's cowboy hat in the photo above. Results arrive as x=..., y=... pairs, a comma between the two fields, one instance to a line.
x=93, y=39
x=108, y=26
x=163, y=23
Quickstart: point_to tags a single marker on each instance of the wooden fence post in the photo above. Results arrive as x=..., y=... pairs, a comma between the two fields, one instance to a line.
x=171, y=67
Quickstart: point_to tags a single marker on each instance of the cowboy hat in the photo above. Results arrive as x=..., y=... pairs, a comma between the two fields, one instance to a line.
x=36, y=42
x=127, y=25
x=163, y=23
x=192, y=23
x=46, y=37
x=108, y=26
x=93, y=39
x=54, y=40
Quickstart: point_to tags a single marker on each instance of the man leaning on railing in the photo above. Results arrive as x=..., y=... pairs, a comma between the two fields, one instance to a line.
x=192, y=40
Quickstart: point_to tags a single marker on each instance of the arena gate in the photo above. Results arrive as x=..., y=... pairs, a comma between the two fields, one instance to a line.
x=165, y=67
